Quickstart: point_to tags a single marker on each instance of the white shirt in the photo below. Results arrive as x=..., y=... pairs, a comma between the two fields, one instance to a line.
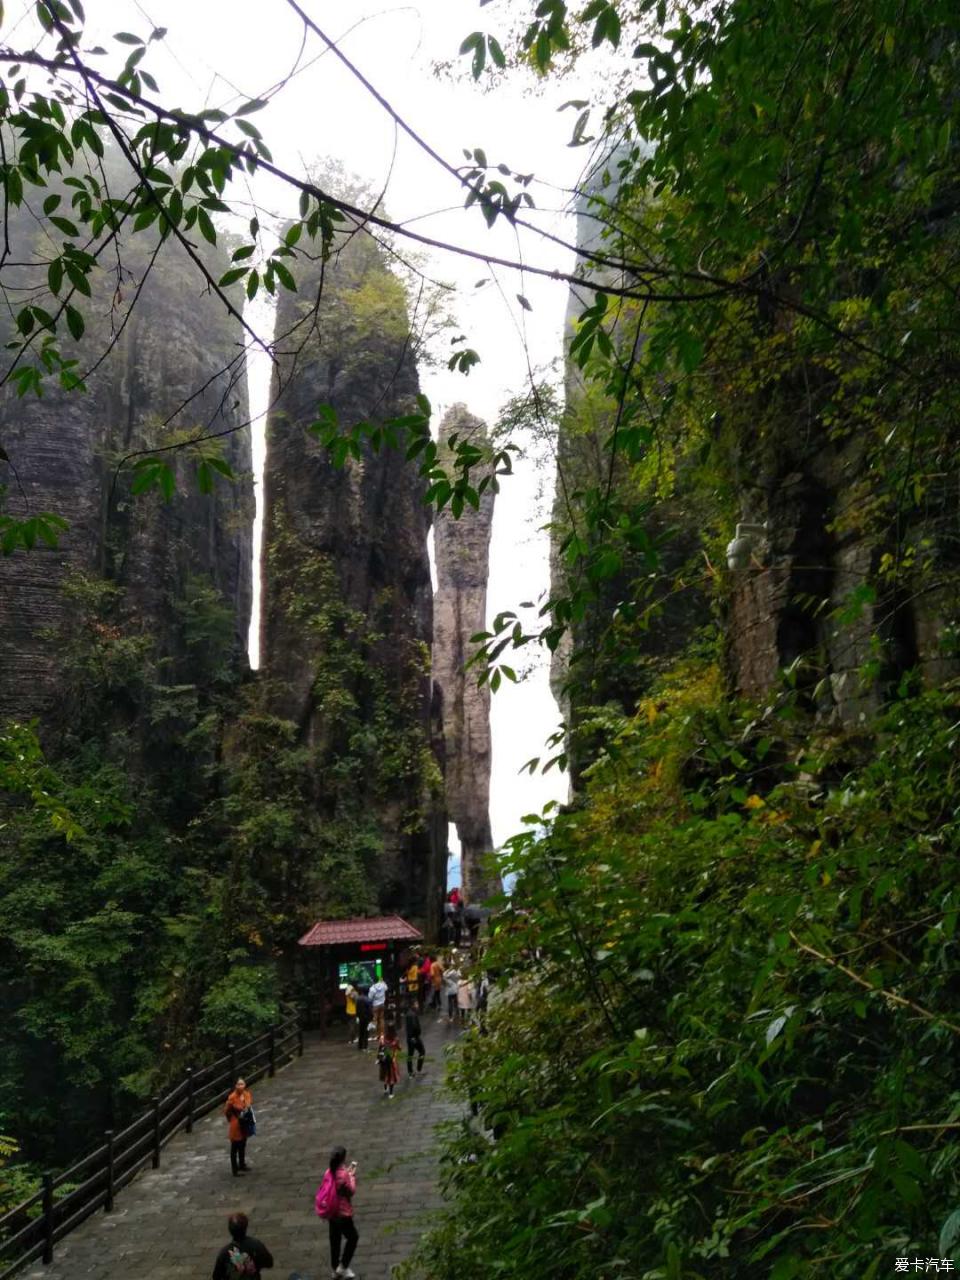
x=378, y=994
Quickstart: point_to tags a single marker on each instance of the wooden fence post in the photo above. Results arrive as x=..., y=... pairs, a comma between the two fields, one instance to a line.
x=273, y=1052
x=108, y=1202
x=47, y=1218
x=299, y=1036
x=156, y=1132
x=189, y=1099
x=232, y=1050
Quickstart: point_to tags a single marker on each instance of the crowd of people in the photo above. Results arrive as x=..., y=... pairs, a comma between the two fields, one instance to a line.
x=439, y=982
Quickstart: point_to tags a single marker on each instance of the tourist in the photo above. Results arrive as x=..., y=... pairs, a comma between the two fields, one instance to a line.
x=451, y=983
x=238, y=1102
x=378, y=998
x=424, y=982
x=473, y=918
x=364, y=1016
x=436, y=982
x=388, y=1059
x=243, y=1256
x=411, y=1026
x=350, y=1005
x=455, y=903
x=465, y=999
x=343, y=1231
x=413, y=977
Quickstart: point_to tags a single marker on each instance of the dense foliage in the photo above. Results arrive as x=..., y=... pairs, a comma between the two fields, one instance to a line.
x=158, y=864
x=120, y=925
x=725, y=1039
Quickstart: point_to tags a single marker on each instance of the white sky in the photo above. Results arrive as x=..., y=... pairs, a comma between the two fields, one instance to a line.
x=219, y=52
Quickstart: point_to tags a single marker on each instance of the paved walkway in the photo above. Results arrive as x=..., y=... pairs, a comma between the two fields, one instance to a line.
x=169, y=1223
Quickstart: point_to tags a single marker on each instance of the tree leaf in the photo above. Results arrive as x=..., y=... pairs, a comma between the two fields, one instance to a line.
x=74, y=322
x=206, y=226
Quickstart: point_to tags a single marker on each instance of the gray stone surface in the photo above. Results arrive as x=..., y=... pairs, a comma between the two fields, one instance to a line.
x=349, y=543
x=459, y=612
x=171, y=1222
x=164, y=381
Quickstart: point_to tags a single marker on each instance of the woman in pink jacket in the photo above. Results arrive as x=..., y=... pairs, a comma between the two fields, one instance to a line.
x=343, y=1231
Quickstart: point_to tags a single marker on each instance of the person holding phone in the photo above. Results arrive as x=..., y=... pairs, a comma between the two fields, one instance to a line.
x=343, y=1231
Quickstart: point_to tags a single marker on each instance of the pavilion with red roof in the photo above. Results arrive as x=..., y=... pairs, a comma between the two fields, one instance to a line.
x=359, y=950
x=359, y=930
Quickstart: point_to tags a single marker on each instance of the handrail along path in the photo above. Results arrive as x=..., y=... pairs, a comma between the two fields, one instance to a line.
x=92, y=1183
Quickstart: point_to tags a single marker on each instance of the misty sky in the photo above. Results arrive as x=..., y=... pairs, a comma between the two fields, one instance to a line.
x=219, y=52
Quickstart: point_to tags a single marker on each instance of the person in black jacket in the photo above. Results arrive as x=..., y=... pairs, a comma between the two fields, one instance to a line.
x=235, y=1259
x=364, y=1015
x=411, y=1025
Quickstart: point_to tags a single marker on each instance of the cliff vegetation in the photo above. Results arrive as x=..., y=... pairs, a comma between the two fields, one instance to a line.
x=724, y=1040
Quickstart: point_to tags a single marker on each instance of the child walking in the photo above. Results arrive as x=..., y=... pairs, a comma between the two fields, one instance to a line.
x=388, y=1058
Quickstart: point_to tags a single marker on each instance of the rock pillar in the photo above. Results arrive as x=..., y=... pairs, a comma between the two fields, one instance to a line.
x=460, y=609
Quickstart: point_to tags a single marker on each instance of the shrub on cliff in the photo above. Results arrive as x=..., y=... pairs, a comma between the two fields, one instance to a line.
x=726, y=1042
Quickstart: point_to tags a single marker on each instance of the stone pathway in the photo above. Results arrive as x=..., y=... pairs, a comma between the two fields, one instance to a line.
x=169, y=1223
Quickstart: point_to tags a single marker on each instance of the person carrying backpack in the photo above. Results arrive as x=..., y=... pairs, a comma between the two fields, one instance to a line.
x=334, y=1202
x=244, y=1257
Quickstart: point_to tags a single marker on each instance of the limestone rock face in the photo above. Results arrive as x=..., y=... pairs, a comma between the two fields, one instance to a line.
x=460, y=609
x=808, y=592
x=64, y=449
x=347, y=599
x=617, y=661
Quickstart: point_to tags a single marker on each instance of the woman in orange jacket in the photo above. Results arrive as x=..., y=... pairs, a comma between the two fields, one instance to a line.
x=237, y=1102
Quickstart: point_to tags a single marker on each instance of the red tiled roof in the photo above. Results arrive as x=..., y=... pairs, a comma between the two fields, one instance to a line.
x=327, y=933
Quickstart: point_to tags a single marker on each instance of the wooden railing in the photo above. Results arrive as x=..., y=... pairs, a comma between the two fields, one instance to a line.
x=31, y=1229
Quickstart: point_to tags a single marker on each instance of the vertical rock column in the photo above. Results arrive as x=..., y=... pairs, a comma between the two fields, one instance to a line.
x=459, y=611
x=347, y=604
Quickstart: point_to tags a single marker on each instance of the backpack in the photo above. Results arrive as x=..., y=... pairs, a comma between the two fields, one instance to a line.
x=327, y=1202
x=239, y=1263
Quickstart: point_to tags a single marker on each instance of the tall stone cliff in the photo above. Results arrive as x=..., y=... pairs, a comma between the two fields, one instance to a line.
x=347, y=602
x=854, y=581
x=634, y=624
x=63, y=452
x=460, y=610
x=848, y=605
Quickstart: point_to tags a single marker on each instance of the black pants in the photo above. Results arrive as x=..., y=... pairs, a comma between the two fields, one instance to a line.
x=342, y=1230
x=238, y=1155
x=414, y=1043
x=363, y=1033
